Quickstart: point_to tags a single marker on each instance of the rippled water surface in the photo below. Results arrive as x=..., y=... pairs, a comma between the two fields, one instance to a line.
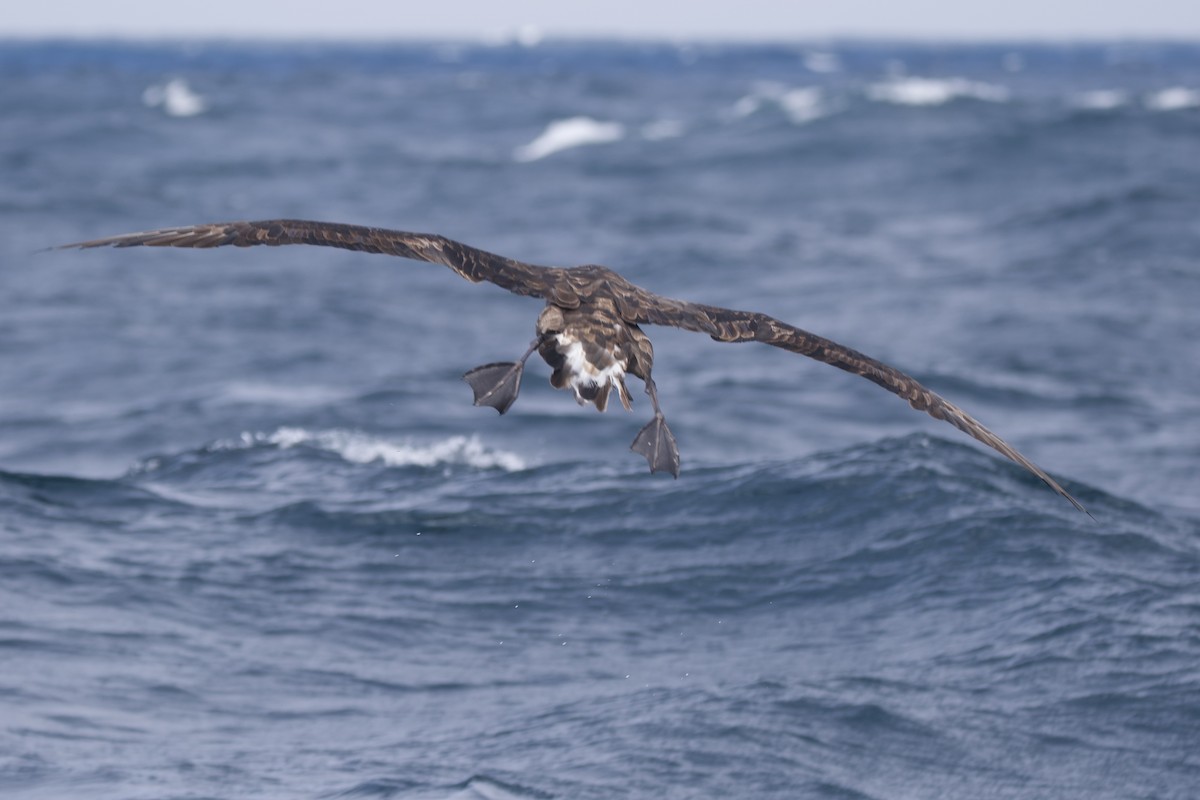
x=255, y=542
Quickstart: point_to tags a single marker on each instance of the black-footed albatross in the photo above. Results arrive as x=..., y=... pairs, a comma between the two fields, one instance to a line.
x=589, y=330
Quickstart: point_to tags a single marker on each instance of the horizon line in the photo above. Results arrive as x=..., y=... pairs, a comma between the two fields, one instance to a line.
x=531, y=37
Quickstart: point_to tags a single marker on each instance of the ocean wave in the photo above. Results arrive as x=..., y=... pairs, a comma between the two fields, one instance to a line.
x=35, y=500
x=1100, y=100
x=892, y=487
x=565, y=134
x=477, y=787
x=1091, y=206
x=817, y=606
x=354, y=447
x=257, y=392
x=662, y=129
x=362, y=448
x=175, y=98
x=1175, y=98
x=911, y=91
x=800, y=104
x=822, y=62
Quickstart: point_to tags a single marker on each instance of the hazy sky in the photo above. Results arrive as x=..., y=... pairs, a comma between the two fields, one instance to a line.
x=732, y=19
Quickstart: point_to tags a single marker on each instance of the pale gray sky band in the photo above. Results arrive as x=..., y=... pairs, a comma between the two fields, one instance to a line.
x=491, y=19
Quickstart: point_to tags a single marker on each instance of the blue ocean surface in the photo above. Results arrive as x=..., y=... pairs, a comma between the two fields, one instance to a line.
x=256, y=542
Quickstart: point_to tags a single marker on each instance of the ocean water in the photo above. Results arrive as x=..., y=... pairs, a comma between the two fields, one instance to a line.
x=255, y=541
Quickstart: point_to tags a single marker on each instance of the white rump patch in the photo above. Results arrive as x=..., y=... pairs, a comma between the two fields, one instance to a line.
x=585, y=373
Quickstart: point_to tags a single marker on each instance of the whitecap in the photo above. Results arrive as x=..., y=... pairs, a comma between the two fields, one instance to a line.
x=801, y=104
x=1173, y=99
x=1100, y=99
x=761, y=92
x=934, y=91
x=823, y=63
x=363, y=448
x=746, y=105
x=175, y=98
x=480, y=787
x=564, y=134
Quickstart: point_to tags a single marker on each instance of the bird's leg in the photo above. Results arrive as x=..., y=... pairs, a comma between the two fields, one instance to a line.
x=655, y=441
x=497, y=384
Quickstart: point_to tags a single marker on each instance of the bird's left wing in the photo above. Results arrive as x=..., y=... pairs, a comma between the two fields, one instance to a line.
x=637, y=305
x=473, y=264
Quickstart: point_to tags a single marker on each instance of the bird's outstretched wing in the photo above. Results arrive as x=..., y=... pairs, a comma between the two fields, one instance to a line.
x=635, y=304
x=473, y=264
x=726, y=325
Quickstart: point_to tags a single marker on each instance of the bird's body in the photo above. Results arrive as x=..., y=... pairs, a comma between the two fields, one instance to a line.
x=590, y=330
x=590, y=350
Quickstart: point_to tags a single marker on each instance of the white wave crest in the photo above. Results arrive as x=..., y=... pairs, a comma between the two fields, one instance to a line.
x=1100, y=100
x=801, y=104
x=175, y=98
x=934, y=91
x=747, y=105
x=821, y=62
x=362, y=448
x=564, y=134
x=481, y=787
x=1173, y=99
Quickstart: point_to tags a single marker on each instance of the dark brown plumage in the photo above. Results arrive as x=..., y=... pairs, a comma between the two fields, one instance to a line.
x=589, y=331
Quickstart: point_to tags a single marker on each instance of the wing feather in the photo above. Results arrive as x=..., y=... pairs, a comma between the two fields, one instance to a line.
x=727, y=325
x=473, y=264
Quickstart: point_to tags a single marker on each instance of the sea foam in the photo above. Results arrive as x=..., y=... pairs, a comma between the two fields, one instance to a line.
x=822, y=62
x=934, y=91
x=363, y=448
x=1173, y=99
x=564, y=134
x=801, y=104
x=175, y=98
x=1100, y=99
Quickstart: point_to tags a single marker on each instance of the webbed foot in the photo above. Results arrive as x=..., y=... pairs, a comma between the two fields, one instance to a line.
x=657, y=444
x=496, y=385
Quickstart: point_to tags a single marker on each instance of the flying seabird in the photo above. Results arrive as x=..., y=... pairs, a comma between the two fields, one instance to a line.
x=589, y=332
